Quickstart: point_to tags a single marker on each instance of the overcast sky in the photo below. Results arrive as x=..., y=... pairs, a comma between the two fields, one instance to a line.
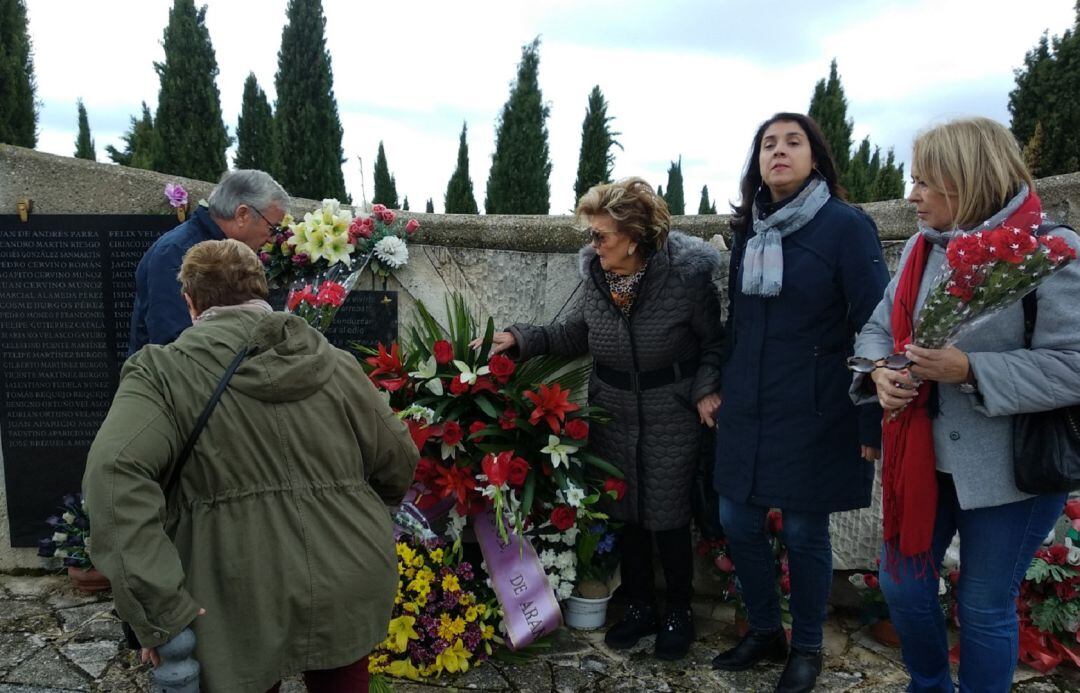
x=683, y=77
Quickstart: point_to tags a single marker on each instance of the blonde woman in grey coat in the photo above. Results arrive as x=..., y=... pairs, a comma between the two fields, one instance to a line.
x=968, y=175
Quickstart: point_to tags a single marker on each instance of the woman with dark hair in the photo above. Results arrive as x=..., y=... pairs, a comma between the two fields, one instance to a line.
x=806, y=273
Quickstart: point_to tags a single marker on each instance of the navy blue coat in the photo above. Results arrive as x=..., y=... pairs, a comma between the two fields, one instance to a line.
x=160, y=313
x=788, y=435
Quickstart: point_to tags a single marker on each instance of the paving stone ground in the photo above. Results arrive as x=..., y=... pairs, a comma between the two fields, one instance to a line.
x=54, y=639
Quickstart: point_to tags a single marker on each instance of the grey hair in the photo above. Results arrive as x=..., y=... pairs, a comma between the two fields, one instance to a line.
x=246, y=187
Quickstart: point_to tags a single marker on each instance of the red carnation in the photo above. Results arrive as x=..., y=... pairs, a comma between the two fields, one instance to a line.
x=519, y=470
x=563, y=517
x=474, y=428
x=443, y=351
x=966, y=250
x=1057, y=248
x=378, y=209
x=1058, y=554
x=387, y=217
x=452, y=433
x=501, y=367
x=578, y=429
x=412, y=226
x=296, y=297
x=358, y=229
x=962, y=292
x=616, y=485
x=332, y=294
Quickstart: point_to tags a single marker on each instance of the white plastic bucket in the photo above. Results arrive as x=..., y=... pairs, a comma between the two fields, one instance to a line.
x=585, y=614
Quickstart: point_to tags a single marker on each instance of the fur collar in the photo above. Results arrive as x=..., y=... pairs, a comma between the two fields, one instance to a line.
x=687, y=255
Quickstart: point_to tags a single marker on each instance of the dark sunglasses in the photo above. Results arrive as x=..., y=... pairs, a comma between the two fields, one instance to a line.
x=274, y=228
x=893, y=362
x=596, y=237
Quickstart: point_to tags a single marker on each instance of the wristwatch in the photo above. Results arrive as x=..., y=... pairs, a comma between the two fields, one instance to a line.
x=969, y=386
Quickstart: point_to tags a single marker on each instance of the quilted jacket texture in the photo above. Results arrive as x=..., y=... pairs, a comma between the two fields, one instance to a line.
x=655, y=435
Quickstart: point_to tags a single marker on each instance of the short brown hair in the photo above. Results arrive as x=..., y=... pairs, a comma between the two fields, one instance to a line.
x=222, y=273
x=638, y=212
x=974, y=161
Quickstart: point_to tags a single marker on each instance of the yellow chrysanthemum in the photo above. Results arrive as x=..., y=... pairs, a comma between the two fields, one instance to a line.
x=411, y=607
x=450, y=583
x=437, y=555
x=405, y=552
x=418, y=562
x=454, y=658
x=471, y=613
x=450, y=628
x=401, y=632
x=487, y=631
x=467, y=599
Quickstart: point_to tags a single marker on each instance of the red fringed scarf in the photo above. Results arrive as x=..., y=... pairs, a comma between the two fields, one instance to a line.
x=909, y=485
x=909, y=470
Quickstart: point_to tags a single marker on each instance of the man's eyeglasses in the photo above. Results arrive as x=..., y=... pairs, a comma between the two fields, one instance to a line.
x=892, y=362
x=274, y=228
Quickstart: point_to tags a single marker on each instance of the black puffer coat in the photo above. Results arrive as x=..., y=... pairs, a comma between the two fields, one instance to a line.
x=655, y=433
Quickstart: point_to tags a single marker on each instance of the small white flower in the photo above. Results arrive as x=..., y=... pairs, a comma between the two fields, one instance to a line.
x=392, y=252
x=59, y=537
x=456, y=525
x=564, y=591
x=68, y=517
x=859, y=580
x=569, y=537
x=574, y=496
x=547, y=558
x=560, y=454
x=942, y=587
x=565, y=560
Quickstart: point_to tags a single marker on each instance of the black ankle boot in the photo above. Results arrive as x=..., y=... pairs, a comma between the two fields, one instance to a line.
x=753, y=648
x=676, y=634
x=638, y=621
x=801, y=672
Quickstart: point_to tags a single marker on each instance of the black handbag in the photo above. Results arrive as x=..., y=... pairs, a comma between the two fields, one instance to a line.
x=1046, y=444
x=174, y=478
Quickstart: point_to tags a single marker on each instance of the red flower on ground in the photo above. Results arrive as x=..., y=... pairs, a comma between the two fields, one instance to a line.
x=552, y=405
x=497, y=467
x=387, y=364
x=519, y=471
x=443, y=352
x=563, y=517
x=452, y=433
x=616, y=485
x=578, y=429
x=501, y=367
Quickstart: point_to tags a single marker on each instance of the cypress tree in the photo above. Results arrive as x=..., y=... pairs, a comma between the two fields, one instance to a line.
x=518, y=181
x=430, y=208
x=139, y=143
x=706, y=207
x=191, y=136
x=1033, y=151
x=858, y=179
x=308, y=127
x=889, y=182
x=18, y=86
x=459, y=198
x=828, y=107
x=1048, y=93
x=596, y=160
x=385, y=186
x=660, y=192
x=255, y=143
x=84, y=145
x=675, y=202
x=405, y=204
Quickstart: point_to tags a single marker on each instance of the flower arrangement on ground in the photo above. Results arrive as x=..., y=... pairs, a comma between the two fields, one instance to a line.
x=330, y=235
x=444, y=618
x=986, y=271
x=1049, y=602
x=70, y=540
x=597, y=558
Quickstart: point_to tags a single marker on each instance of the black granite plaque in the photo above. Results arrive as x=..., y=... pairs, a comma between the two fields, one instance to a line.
x=67, y=284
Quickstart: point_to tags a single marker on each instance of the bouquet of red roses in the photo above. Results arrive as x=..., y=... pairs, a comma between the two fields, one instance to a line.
x=987, y=271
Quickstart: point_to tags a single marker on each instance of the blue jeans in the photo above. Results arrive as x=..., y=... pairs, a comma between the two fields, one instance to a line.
x=806, y=536
x=996, y=548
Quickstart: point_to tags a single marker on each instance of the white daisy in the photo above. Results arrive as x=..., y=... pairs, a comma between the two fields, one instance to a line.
x=392, y=252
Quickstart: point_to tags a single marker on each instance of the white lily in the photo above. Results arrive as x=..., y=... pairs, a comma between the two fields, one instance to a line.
x=426, y=371
x=574, y=496
x=560, y=453
x=469, y=377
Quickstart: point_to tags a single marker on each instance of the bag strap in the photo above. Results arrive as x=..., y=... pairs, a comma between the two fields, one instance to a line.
x=174, y=478
x=1031, y=300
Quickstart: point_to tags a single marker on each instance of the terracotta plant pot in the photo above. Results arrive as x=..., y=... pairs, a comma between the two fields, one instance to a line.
x=884, y=632
x=88, y=581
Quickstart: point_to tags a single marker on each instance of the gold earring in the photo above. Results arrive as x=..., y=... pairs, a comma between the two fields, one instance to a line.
x=629, y=251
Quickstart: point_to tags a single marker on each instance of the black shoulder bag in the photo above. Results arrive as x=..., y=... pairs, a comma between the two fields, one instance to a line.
x=1046, y=444
x=185, y=452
